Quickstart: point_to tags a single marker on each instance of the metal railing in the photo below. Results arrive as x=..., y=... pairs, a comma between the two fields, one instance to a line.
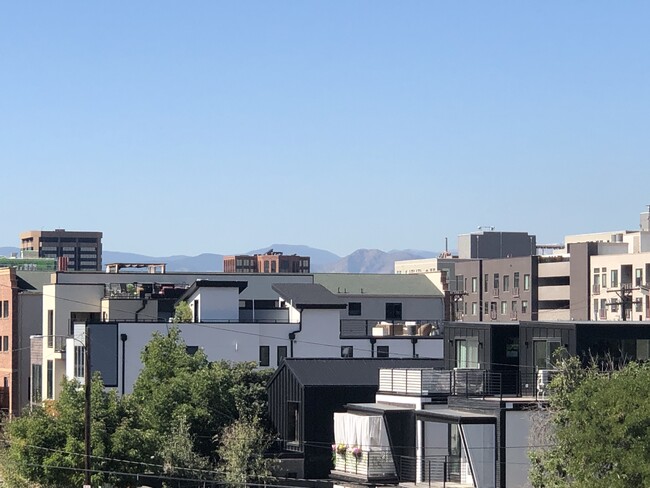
x=359, y=328
x=468, y=383
x=432, y=469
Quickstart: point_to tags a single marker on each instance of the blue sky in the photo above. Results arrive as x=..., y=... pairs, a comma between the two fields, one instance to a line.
x=188, y=127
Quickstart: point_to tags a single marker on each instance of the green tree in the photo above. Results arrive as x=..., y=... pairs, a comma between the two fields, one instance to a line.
x=241, y=452
x=182, y=313
x=599, y=429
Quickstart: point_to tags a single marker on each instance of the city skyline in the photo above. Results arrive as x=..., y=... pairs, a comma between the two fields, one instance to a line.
x=334, y=125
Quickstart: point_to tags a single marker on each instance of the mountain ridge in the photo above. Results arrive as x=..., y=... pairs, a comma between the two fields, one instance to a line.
x=322, y=260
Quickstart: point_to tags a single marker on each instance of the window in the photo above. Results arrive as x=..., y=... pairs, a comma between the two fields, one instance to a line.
x=282, y=353
x=273, y=268
x=354, y=308
x=467, y=353
x=393, y=311
x=638, y=280
x=266, y=266
x=382, y=351
x=196, y=310
x=506, y=283
x=603, y=277
x=485, y=308
x=485, y=282
x=5, y=309
x=465, y=308
x=526, y=282
x=37, y=382
x=264, y=356
x=474, y=284
x=496, y=281
x=614, y=278
x=347, y=351
x=595, y=308
x=50, y=379
x=524, y=306
x=1, y=309
x=596, y=277
x=504, y=308
x=638, y=304
x=293, y=421
x=474, y=308
x=79, y=361
x=5, y=343
x=515, y=279
x=513, y=307
x=642, y=349
x=543, y=350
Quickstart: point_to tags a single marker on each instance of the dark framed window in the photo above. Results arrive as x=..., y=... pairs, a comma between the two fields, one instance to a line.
x=196, y=310
x=293, y=421
x=354, y=308
x=50, y=379
x=265, y=356
x=5, y=343
x=393, y=311
x=5, y=309
x=347, y=351
x=382, y=351
x=37, y=382
x=282, y=353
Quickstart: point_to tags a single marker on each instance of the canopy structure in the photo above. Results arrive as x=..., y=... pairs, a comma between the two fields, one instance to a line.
x=365, y=431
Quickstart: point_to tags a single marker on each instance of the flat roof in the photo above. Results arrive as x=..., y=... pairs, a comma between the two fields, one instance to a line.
x=450, y=415
x=241, y=285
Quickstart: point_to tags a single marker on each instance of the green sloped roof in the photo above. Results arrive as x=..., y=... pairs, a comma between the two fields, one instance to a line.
x=378, y=284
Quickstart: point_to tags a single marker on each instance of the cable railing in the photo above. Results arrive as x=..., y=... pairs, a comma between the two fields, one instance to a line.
x=436, y=471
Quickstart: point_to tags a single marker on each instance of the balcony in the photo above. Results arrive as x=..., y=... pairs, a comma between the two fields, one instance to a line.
x=515, y=292
x=435, y=471
x=595, y=289
x=467, y=382
x=351, y=328
x=364, y=465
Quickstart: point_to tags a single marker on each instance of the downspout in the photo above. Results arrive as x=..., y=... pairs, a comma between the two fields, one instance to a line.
x=144, y=305
x=123, y=338
x=372, y=347
x=292, y=335
x=414, y=341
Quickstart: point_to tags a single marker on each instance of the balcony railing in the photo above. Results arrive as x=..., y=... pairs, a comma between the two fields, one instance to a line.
x=439, y=470
x=366, y=465
x=595, y=289
x=515, y=292
x=469, y=383
x=351, y=328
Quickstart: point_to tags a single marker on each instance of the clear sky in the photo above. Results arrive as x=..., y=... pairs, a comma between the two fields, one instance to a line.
x=188, y=127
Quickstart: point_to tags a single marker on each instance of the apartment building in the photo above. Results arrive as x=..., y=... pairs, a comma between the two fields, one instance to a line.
x=20, y=310
x=269, y=262
x=491, y=244
x=397, y=319
x=74, y=251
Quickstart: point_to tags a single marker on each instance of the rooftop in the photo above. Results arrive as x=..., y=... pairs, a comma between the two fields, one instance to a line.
x=378, y=284
x=307, y=295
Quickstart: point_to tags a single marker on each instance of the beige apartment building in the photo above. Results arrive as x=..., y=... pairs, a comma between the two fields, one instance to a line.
x=74, y=251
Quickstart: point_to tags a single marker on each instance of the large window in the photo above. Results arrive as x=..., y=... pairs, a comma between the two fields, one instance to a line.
x=474, y=284
x=506, y=283
x=526, y=282
x=515, y=279
x=496, y=281
x=614, y=278
x=467, y=353
x=5, y=309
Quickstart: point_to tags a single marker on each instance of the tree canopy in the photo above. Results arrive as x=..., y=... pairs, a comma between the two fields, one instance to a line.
x=166, y=427
x=599, y=429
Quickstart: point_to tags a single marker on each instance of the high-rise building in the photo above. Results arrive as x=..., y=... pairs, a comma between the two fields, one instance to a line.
x=74, y=251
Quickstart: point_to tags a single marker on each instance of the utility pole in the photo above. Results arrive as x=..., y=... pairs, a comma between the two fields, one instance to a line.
x=624, y=294
x=87, y=384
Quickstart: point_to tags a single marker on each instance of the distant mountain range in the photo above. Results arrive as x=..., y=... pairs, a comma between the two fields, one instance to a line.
x=323, y=261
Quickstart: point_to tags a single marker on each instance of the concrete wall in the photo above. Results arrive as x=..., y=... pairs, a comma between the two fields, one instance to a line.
x=517, y=463
x=216, y=303
x=116, y=309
